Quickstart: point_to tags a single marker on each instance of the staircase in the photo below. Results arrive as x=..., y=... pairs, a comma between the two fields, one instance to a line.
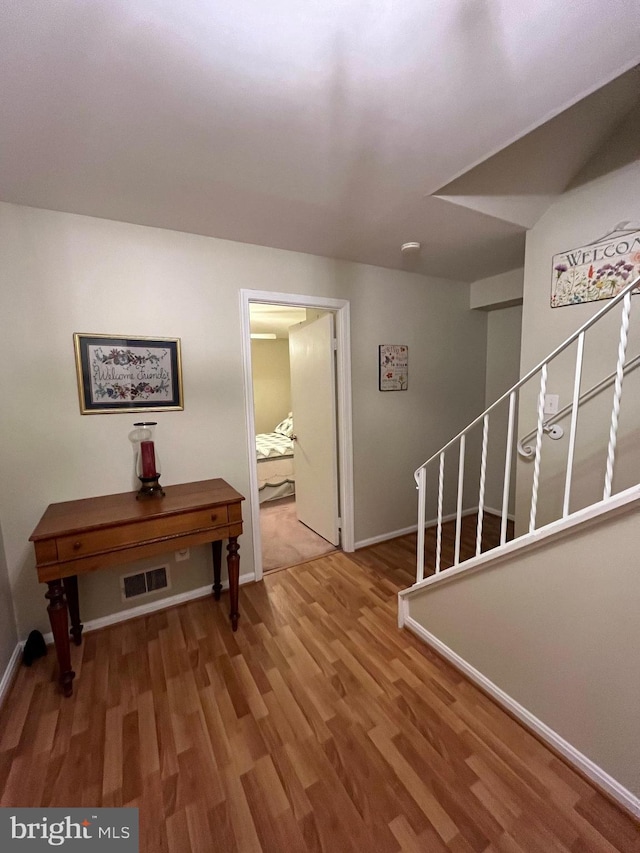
x=430, y=476
x=537, y=600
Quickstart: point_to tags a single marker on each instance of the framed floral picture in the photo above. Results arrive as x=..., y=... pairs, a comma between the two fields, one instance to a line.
x=117, y=374
x=393, y=367
x=598, y=270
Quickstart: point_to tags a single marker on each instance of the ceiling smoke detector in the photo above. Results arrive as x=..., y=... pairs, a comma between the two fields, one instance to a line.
x=410, y=248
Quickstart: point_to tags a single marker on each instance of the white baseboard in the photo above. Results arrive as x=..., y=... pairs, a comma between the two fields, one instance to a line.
x=489, y=510
x=394, y=534
x=598, y=776
x=10, y=671
x=384, y=537
x=151, y=607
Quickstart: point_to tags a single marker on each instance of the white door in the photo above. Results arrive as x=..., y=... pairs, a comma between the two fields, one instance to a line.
x=313, y=401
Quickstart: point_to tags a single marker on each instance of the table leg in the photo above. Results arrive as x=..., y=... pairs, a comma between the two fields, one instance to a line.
x=233, y=565
x=71, y=593
x=216, y=547
x=59, y=619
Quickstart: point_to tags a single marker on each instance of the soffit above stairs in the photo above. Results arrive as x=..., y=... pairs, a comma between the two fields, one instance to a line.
x=520, y=182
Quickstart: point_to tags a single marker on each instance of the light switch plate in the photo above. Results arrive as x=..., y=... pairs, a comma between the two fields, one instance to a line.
x=551, y=404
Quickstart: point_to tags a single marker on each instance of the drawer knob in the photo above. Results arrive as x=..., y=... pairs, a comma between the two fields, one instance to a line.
x=77, y=546
x=214, y=516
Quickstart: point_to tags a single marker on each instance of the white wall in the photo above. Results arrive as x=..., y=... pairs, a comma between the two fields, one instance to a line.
x=500, y=297
x=557, y=629
x=64, y=273
x=8, y=635
x=271, y=382
x=607, y=192
x=503, y=362
x=498, y=291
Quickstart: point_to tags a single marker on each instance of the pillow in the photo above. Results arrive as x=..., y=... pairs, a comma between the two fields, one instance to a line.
x=285, y=427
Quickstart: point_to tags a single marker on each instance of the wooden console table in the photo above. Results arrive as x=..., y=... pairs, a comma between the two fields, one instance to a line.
x=77, y=537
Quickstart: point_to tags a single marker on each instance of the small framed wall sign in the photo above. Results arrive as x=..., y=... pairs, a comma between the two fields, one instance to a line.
x=393, y=367
x=117, y=374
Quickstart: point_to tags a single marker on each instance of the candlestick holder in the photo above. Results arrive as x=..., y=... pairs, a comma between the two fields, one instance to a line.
x=147, y=460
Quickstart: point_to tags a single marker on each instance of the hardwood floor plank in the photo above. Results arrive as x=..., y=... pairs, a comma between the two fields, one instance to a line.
x=275, y=832
x=425, y=692
x=178, y=832
x=474, y=823
x=317, y=726
x=595, y=836
x=349, y=755
x=131, y=748
x=19, y=704
x=198, y=827
x=216, y=731
x=153, y=832
x=409, y=841
x=221, y=835
x=290, y=707
x=249, y=688
x=240, y=816
x=291, y=782
x=433, y=810
x=495, y=806
x=148, y=735
x=333, y=822
x=112, y=768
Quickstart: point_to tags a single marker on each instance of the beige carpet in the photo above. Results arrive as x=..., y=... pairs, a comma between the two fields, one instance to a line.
x=285, y=541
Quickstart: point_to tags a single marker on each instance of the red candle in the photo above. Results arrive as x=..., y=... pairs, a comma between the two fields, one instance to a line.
x=148, y=456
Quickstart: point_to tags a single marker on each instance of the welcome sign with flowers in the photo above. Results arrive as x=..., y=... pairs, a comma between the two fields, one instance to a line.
x=596, y=271
x=117, y=374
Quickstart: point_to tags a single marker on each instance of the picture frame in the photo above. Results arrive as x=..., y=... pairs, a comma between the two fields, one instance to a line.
x=128, y=374
x=393, y=367
x=597, y=270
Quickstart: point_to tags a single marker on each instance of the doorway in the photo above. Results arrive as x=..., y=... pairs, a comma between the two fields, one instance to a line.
x=281, y=509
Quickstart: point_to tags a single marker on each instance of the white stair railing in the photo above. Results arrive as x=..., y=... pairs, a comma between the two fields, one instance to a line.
x=550, y=426
x=460, y=442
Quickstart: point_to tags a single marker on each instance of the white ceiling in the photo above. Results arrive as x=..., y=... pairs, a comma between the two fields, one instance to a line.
x=274, y=319
x=337, y=127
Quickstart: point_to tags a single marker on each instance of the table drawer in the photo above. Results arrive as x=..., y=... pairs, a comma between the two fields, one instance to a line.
x=138, y=532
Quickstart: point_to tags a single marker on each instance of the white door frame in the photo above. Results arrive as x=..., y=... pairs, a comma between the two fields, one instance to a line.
x=340, y=307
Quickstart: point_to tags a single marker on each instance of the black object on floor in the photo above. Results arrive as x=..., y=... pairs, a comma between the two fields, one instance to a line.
x=34, y=648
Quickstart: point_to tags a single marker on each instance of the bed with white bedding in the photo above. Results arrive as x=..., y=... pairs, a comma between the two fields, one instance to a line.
x=274, y=454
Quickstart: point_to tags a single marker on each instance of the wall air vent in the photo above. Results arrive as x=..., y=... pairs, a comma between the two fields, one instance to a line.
x=144, y=583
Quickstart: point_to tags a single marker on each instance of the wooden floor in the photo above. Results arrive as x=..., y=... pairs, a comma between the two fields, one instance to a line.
x=318, y=726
